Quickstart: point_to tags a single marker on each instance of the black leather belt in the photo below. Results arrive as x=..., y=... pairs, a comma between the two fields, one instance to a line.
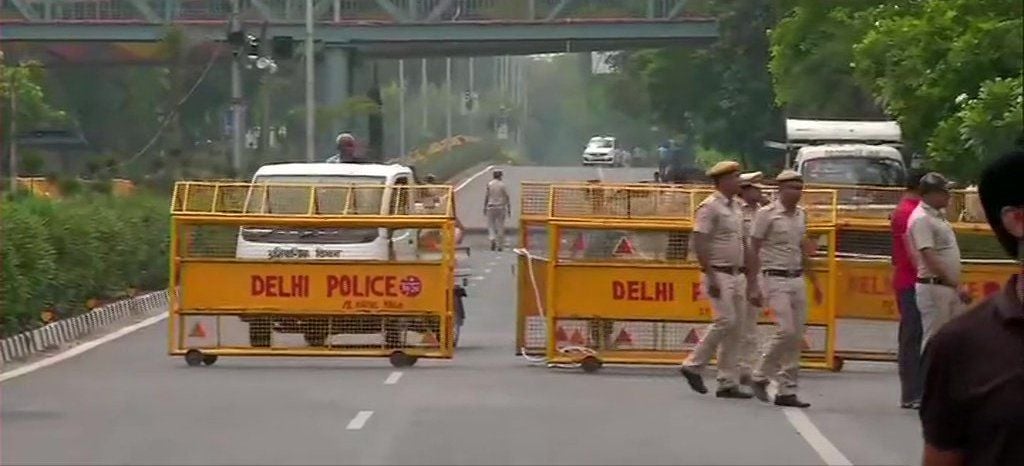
x=933, y=281
x=783, y=273
x=729, y=270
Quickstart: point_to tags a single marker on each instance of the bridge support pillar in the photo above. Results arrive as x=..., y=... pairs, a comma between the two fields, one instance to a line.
x=334, y=76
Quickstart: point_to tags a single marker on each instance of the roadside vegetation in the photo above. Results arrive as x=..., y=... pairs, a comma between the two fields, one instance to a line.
x=61, y=257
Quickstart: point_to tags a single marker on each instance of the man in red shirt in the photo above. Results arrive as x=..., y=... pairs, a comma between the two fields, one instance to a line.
x=904, y=278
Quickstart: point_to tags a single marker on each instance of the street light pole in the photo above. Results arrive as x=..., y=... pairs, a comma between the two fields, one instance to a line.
x=310, y=83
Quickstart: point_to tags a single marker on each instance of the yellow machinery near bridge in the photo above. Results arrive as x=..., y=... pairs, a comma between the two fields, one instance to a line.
x=318, y=292
x=605, y=275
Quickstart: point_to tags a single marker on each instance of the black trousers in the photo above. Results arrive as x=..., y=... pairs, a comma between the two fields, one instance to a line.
x=909, y=356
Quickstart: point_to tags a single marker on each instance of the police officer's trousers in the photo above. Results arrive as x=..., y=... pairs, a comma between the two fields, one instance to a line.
x=496, y=224
x=787, y=298
x=750, y=342
x=723, y=335
x=938, y=304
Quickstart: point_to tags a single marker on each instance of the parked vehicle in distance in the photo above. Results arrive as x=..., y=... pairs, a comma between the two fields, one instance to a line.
x=604, y=150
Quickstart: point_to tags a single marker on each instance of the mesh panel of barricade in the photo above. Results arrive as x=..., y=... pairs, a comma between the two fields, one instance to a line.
x=622, y=202
x=655, y=336
x=588, y=245
x=533, y=199
x=874, y=243
x=302, y=332
x=297, y=199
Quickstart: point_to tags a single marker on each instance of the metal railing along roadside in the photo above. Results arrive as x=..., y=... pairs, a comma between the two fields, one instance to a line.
x=54, y=335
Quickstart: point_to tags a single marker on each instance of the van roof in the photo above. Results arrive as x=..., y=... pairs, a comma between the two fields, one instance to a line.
x=342, y=169
x=842, y=130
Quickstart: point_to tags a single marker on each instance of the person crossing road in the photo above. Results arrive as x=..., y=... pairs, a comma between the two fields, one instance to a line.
x=497, y=206
x=779, y=244
x=718, y=241
x=753, y=199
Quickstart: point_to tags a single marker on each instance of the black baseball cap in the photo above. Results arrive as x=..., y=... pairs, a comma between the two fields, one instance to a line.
x=933, y=182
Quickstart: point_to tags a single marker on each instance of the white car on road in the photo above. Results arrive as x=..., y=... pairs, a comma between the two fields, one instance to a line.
x=603, y=150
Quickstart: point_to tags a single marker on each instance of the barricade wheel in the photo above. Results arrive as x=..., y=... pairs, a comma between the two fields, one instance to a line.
x=591, y=364
x=209, y=359
x=400, y=359
x=194, y=357
x=837, y=364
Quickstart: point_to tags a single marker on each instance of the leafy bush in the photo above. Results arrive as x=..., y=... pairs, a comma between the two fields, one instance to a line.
x=58, y=255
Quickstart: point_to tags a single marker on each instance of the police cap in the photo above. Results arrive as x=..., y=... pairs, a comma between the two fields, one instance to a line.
x=750, y=179
x=722, y=168
x=788, y=175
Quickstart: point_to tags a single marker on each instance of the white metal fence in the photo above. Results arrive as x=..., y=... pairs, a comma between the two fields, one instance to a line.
x=52, y=336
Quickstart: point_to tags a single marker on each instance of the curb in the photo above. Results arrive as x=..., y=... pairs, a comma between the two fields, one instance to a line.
x=52, y=336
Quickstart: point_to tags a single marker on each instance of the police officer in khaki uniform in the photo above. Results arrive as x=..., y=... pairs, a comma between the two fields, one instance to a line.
x=718, y=241
x=940, y=295
x=779, y=241
x=752, y=199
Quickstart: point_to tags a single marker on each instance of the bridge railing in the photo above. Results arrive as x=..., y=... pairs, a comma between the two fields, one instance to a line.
x=159, y=11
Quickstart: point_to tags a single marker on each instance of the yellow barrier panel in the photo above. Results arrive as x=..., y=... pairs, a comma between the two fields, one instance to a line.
x=616, y=285
x=303, y=270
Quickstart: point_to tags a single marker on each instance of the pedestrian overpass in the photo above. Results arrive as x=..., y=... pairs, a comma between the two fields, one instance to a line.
x=370, y=28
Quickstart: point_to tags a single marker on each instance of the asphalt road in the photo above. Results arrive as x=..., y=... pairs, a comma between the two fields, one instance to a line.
x=127, y=402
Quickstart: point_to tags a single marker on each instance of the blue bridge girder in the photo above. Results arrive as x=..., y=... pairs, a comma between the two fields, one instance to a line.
x=406, y=39
x=166, y=11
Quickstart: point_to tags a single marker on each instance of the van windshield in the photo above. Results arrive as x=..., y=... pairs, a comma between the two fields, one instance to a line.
x=335, y=194
x=858, y=171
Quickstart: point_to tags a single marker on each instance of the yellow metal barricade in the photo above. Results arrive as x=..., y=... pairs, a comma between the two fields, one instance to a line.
x=620, y=286
x=310, y=270
x=866, y=298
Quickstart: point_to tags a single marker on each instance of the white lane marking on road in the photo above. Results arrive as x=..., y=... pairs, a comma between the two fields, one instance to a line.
x=487, y=270
x=473, y=177
x=75, y=351
x=393, y=378
x=821, y=444
x=359, y=421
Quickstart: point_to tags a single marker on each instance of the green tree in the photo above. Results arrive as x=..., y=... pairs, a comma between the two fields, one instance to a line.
x=924, y=59
x=812, y=59
x=34, y=106
x=981, y=130
x=722, y=95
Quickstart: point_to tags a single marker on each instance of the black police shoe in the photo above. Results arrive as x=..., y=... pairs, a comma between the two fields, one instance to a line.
x=733, y=392
x=694, y=379
x=790, y=401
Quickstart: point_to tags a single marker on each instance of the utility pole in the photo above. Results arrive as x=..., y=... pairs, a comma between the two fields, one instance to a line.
x=448, y=95
x=424, y=100
x=12, y=89
x=471, y=92
x=401, y=108
x=236, y=98
x=310, y=83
